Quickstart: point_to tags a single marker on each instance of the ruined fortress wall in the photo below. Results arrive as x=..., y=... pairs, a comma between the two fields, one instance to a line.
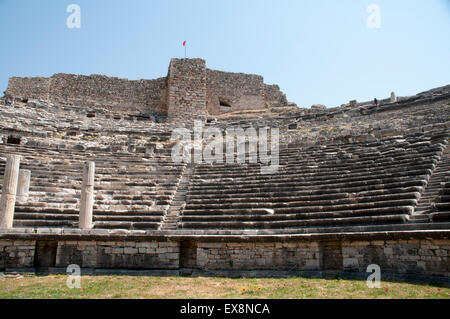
x=141, y=96
x=109, y=92
x=186, y=95
x=155, y=95
x=274, y=96
x=238, y=90
x=189, y=91
x=31, y=87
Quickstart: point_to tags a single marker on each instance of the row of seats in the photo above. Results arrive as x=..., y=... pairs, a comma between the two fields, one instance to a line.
x=130, y=192
x=442, y=205
x=322, y=186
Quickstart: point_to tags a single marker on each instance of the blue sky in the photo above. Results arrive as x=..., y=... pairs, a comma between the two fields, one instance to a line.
x=317, y=51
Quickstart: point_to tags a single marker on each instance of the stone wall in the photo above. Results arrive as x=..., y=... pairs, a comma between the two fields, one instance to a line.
x=32, y=87
x=237, y=91
x=418, y=257
x=193, y=91
x=17, y=253
x=119, y=255
x=187, y=89
x=140, y=96
x=413, y=257
x=250, y=256
x=427, y=257
x=273, y=95
x=97, y=91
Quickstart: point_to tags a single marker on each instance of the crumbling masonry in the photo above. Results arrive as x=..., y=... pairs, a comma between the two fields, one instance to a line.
x=187, y=92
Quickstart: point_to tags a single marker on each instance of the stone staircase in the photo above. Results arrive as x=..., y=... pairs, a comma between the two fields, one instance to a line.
x=171, y=218
x=441, y=211
x=428, y=198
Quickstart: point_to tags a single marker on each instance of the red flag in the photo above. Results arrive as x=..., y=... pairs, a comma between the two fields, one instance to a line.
x=184, y=43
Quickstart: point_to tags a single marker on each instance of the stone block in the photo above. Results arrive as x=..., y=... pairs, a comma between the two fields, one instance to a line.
x=350, y=263
x=118, y=251
x=130, y=251
x=23, y=243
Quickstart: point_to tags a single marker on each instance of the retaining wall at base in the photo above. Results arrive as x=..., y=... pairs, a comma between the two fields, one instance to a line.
x=423, y=257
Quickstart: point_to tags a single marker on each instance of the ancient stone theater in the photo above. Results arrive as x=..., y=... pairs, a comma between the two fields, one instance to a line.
x=88, y=178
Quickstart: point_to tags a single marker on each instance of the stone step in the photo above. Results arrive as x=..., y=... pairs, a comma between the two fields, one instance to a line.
x=46, y=223
x=443, y=216
x=59, y=208
x=435, y=185
x=310, y=180
x=301, y=212
x=125, y=225
x=305, y=200
x=171, y=218
x=303, y=205
x=292, y=216
x=45, y=216
x=131, y=218
x=304, y=195
x=319, y=169
x=419, y=219
x=302, y=164
x=317, y=190
x=391, y=219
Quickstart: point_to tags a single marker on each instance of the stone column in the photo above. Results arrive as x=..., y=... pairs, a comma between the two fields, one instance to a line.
x=393, y=97
x=8, y=199
x=87, y=197
x=23, y=186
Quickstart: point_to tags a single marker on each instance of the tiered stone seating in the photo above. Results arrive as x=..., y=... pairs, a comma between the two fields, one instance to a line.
x=442, y=205
x=328, y=186
x=64, y=128
x=131, y=192
x=341, y=184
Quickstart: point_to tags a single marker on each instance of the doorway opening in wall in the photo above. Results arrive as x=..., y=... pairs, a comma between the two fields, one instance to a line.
x=13, y=140
x=224, y=103
x=45, y=254
x=188, y=254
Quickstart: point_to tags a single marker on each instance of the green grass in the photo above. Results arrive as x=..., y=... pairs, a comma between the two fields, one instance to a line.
x=208, y=287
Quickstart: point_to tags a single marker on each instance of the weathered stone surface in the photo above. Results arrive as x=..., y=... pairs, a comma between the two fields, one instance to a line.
x=318, y=107
x=9, y=190
x=154, y=97
x=87, y=196
x=23, y=185
x=116, y=255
